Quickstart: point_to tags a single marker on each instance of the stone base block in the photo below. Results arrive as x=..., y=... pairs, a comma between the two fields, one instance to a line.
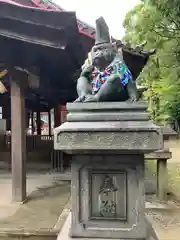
x=108, y=197
x=107, y=142
x=108, y=128
x=64, y=234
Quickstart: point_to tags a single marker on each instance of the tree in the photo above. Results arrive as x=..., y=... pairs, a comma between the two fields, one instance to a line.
x=161, y=76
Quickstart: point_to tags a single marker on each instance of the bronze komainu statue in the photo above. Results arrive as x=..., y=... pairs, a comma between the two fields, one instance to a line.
x=113, y=70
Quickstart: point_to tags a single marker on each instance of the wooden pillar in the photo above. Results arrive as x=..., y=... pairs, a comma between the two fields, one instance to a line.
x=3, y=111
x=18, y=135
x=162, y=179
x=56, y=117
x=7, y=112
x=27, y=119
x=38, y=120
x=49, y=122
x=32, y=123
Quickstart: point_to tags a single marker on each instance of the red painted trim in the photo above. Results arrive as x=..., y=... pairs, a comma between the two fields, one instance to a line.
x=41, y=6
x=86, y=34
x=62, y=113
x=25, y=6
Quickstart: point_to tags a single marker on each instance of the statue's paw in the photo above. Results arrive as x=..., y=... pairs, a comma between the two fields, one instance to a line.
x=131, y=100
x=90, y=98
x=80, y=99
x=87, y=70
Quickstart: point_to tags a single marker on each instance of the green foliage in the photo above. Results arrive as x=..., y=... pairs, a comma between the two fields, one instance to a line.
x=158, y=22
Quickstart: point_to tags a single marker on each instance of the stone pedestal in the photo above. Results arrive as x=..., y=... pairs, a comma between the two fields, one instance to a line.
x=108, y=142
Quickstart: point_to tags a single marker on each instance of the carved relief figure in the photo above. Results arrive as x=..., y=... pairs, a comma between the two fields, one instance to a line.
x=107, y=198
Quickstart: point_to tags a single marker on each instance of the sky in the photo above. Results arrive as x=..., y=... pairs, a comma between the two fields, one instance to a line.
x=113, y=12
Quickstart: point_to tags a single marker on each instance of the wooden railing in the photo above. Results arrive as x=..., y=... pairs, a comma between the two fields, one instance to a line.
x=33, y=143
x=36, y=143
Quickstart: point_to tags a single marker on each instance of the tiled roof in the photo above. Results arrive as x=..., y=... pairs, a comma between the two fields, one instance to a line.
x=84, y=28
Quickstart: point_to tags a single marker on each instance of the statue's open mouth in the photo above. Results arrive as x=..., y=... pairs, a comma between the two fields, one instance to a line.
x=100, y=62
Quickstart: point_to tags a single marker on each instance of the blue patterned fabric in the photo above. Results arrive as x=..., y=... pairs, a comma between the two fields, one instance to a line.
x=118, y=68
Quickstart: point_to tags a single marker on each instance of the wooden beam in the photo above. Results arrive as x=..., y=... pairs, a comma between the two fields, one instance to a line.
x=56, y=117
x=27, y=118
x=18, y=135
x=49, y=122
x=32, y=123
x=38, y=122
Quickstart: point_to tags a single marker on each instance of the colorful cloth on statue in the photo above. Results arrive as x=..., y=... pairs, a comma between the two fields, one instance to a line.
x=117, y=67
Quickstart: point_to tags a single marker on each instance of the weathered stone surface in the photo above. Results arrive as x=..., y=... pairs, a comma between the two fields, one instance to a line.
x=84, y=142
x=116, y=215
x=64, y=234
x=106, y=106
x=161, y=154
x=108, y=127
x=108, y=142
x=114, y=116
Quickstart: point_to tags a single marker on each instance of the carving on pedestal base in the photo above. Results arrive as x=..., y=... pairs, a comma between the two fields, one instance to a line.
x=108, y=195
x=107, y=198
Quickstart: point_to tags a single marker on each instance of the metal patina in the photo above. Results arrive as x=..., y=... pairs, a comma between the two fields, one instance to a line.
x=111, y=63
